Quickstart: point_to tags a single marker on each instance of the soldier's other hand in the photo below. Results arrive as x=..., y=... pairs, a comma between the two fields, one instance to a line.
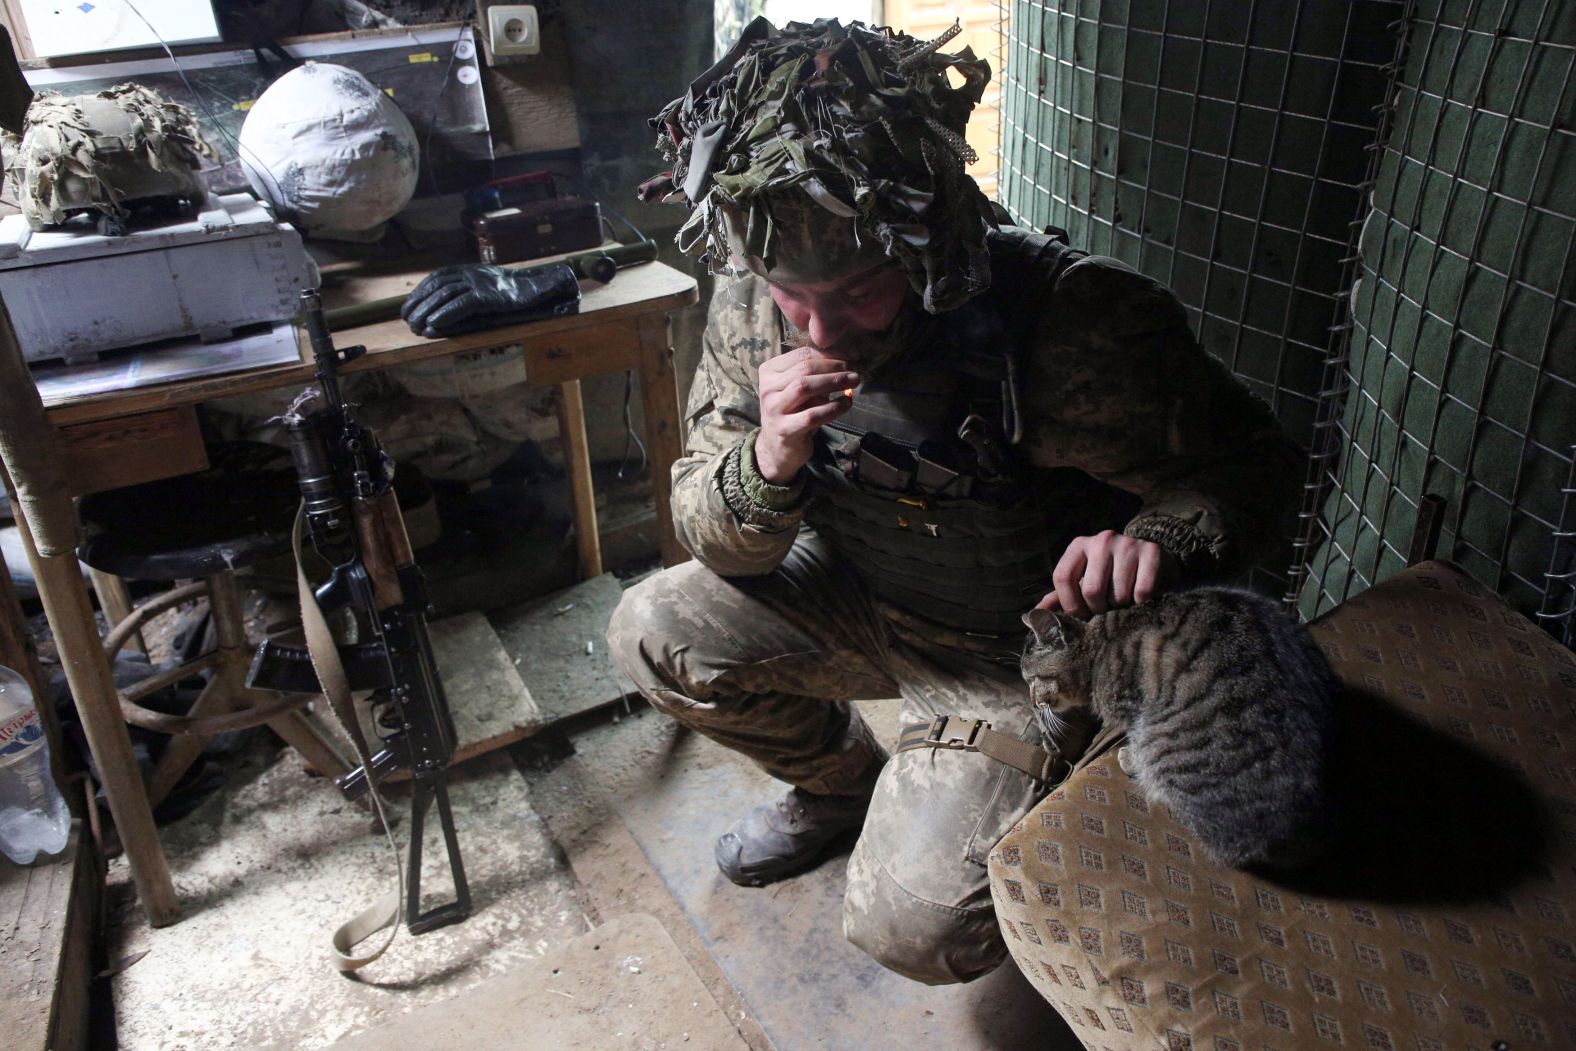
x=1107, y=571
x=798, y=393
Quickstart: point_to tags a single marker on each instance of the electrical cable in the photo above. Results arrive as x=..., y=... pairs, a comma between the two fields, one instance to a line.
x=629, y=431
x=629, y=374
x=630, y=436
x=277, y=194
x=432, y=117
x=639, y=235
x=254, y=162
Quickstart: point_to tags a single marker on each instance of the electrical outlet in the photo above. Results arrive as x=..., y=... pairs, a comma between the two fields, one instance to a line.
x=513, y=29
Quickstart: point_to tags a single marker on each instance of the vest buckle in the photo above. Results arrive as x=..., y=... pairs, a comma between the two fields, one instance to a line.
x=938, y=737
x=987, y=450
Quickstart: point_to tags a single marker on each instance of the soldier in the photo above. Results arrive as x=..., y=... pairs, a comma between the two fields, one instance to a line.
x=969, y=421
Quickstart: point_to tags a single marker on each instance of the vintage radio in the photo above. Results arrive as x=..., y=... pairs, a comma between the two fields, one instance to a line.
x=529, y=231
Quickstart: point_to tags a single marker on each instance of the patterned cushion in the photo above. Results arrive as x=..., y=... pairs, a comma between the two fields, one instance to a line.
x=1445, y=920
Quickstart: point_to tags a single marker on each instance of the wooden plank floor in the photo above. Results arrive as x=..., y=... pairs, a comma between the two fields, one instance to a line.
x=47, y=912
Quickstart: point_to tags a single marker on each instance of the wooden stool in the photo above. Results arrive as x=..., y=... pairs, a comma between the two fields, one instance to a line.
x=202, y=528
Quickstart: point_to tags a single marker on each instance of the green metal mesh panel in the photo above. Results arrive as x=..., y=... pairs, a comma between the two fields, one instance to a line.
x=1559, y=595
x=1462, y=360
x=1217, y=146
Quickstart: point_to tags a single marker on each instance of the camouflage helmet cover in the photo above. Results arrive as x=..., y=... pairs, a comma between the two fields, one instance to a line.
x=861, y=121
x=101, y=152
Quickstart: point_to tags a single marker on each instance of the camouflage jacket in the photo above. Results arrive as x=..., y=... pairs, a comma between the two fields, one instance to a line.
x=1115, y=385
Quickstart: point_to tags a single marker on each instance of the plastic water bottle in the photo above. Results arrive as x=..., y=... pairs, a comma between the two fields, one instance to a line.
x=33, y=815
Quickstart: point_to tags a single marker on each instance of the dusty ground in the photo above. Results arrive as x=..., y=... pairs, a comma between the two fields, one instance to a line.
x=610, y=814
x=269, y=867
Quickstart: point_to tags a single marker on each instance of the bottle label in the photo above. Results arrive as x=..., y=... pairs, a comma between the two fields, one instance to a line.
x=18, y=733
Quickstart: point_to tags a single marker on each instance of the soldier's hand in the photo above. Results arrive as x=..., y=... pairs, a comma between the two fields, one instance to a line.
x=796, y=393
x=1107, y=571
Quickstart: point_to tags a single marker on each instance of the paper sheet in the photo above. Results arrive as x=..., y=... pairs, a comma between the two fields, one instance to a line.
x=167, y=361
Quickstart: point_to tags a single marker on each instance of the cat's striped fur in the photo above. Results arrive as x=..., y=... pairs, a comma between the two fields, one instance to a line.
x=1228, y=706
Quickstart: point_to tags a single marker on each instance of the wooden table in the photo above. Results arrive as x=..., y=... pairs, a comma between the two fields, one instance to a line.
x=130, y=436
x=126, y=437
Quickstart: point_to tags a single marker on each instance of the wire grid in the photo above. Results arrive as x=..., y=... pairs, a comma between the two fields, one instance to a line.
x=1216, y=146
x=1558, y=614
x=1326, y=446
x=1462, y=362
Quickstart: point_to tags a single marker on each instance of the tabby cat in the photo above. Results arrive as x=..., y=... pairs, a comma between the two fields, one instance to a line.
x=1228, y=707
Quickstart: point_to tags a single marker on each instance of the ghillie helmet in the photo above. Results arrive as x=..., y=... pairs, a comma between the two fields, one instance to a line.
x=835, y=141
x=107, y=152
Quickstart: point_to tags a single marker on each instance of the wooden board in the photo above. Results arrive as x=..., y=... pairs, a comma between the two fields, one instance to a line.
x=624, y=984
x=532, y=104
x=490, y=704
x=46, y=931
x=548, y=638
x=107, y=454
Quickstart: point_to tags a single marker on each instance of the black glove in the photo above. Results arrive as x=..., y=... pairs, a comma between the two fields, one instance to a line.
x=472, y=296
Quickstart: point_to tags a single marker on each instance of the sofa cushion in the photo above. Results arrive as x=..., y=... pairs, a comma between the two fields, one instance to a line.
x=1445, y=917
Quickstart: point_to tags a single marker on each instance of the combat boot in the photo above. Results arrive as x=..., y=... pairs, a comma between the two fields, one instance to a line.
x=789, y=834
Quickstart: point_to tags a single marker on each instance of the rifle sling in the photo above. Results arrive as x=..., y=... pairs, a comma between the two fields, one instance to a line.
x=384, y=913
x=953, y=732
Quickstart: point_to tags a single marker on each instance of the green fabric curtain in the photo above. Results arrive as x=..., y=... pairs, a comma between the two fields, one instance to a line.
x=1462, y=369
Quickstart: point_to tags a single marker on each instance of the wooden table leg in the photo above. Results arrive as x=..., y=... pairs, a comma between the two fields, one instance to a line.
x=20, y=654
x=664, y=433
x=577, y=458
x=65, y=597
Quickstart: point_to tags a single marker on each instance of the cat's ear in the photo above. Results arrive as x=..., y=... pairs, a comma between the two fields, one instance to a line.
x=1040, y=622
x=1052, y=628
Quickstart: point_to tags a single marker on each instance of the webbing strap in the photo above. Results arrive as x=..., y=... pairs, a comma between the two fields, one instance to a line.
x=385, y=913
x=975, y=735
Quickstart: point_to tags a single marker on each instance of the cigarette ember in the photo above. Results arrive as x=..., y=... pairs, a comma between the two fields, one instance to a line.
x=846, y=394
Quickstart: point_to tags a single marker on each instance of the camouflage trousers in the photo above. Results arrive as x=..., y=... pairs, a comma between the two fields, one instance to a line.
x=767, y=666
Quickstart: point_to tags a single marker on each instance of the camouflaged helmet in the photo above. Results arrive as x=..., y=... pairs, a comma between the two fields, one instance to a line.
x=843, y=141
x=107, y=152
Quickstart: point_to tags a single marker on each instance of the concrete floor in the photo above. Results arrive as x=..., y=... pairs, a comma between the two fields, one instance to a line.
x=270, y=866
x=608, y=815
x=780, y=947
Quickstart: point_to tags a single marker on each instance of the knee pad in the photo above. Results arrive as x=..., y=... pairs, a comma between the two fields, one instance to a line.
x=925, y=941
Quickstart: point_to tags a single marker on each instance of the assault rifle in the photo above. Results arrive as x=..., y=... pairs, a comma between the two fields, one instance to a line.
x=354, y=522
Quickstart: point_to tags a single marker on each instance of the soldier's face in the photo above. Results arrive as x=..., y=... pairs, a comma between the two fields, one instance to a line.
x=845, y=317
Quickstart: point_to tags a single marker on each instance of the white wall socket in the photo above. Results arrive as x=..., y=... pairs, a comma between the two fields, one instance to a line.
x=513, y=29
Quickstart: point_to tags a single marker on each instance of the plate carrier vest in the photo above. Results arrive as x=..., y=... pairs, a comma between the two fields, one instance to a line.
x=919, y=485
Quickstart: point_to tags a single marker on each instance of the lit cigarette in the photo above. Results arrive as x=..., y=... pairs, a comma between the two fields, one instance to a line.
x=846, y=394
